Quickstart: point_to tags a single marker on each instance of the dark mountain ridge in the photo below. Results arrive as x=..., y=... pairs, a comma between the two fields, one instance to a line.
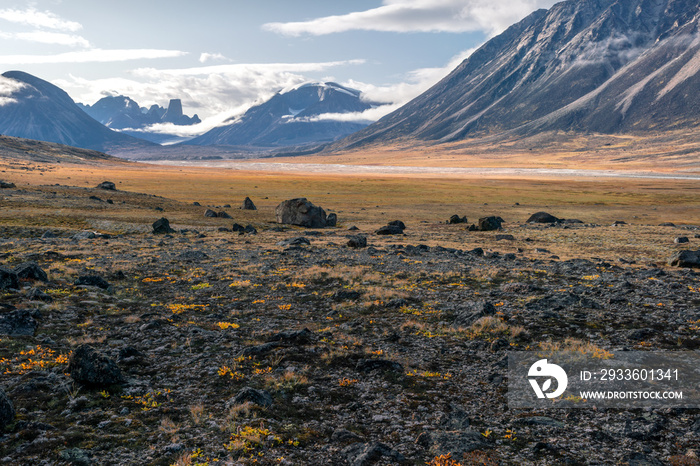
x=584, y=65
x=39, y=110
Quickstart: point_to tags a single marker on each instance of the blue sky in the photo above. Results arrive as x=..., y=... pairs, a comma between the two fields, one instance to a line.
x=221, y=56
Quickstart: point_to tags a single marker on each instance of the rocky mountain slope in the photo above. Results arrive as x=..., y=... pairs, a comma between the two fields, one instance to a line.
x=292, y=118
x=36, y=109
x=121, y=112
x=584, y=65
x=28, y=150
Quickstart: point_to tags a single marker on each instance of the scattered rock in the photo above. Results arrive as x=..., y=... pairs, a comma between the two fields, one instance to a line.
x=382, y=365
x=252, y=395
x=297, y=241
x=457, y=442
x=248, y=204
x=107, y=185
x=331, y=220
x=31, y=271
x=300, y=212
x=192, y=256
x=162, y=227
x=6, y=185
x=686, y=259
x=360, y=454
x=8, y=279
x=223, y=214
x=356, y=242
x=505, y=238
x=20, y=322
x=210, y=214
x=92, y=280
x=295, y=337
x=85, y=234
x=89, y=366
x=344, y=435
x=76, y=457
x=472, y=312
x=238, y=228
x=250, y=229
x=618, y=223
x=456, y=219
x=353, y=228
x=667, y=224
x=681, y=240
x=489, y=223
x=7, y=410
x=346, y=295
x=542, y=217
x=395, y=227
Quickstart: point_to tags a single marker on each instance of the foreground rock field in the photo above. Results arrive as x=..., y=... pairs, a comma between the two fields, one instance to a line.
x=287, y=346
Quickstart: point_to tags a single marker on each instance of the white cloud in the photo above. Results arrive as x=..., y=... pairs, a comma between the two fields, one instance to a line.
x=205, y=57
x=39, y=19
x=490, y=16
x=8, y=87
x=90, y=56
x=47, y=37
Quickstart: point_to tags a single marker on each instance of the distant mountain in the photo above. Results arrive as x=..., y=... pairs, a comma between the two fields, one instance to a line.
x=608, y=66
x=37, y=109
x=292, y=118
x=121, y=112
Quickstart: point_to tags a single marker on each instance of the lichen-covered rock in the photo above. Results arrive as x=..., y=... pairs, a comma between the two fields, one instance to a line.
x=91, y=367
x=20, y=322
x=162, y=227
x=31, y=271
x=300, y=212
x=687, y=259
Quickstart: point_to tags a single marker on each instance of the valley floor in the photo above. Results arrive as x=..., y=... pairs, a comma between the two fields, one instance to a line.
x=269, y=349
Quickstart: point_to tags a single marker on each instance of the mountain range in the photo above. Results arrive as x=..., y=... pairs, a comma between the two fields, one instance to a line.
x=306, y=114
x=37, y=109
x=121, y=112
x=620, y=66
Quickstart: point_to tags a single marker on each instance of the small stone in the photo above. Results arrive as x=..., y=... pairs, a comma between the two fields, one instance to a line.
x=681, y=240
x=107, y=185
x=252, y=395
x=92, y=280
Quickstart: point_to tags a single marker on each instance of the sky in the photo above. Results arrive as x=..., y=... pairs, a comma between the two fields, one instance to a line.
x=222, y=56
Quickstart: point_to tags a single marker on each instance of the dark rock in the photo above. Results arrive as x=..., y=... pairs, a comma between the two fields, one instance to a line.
x=681, y=240
x=8, y=279
x=107, y=185
x=6, y=185
x=473, y=312
x=95, y=198
x=390, y=230
x=20, y=322
x=162, y=227
x=92, y=280
x=490, y=223
x=331, y=220
x=252, y=395
x=196, y=204
x=667, y=224
x=192, y=256
x=76, y=457
x=458, y=443
x=239, y=228
x=476, y=252
x=562, y=301
x=223, y=214
x=346, y=295
x=248, y=204
x=360, y=454
x=91, y=367
x=505, y=238
x=456, y=219
x=297, y=241
x=300, y=212
x=618, y=223
x=640, y=459
x=353, y=228
x=397, y=223
x=541, y=421
x=49, y=234
x=259, y=350
x=250, y=229
x=86, y=234
x=35, y=294
x=542, y=217
x=344, y=435
x=357, y=242
x=31, y=271
x=570, y=221
x=129, y=355
x=383, y=365
x=686, y=259
x=210, y=213
x=294, y=337
x=7, y=410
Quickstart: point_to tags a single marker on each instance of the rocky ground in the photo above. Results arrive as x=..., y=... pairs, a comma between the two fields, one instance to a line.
x=287, y=346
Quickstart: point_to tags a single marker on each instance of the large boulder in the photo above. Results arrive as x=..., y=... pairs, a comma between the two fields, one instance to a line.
x=248, y=204
x=108, y=185
x=490, y=223
x=162, y=227
x=31, y=271
x=542, y=217
x=332, y=220
x=300, y=212
x=7, y=410
x=89, y=366
x=687, y=259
